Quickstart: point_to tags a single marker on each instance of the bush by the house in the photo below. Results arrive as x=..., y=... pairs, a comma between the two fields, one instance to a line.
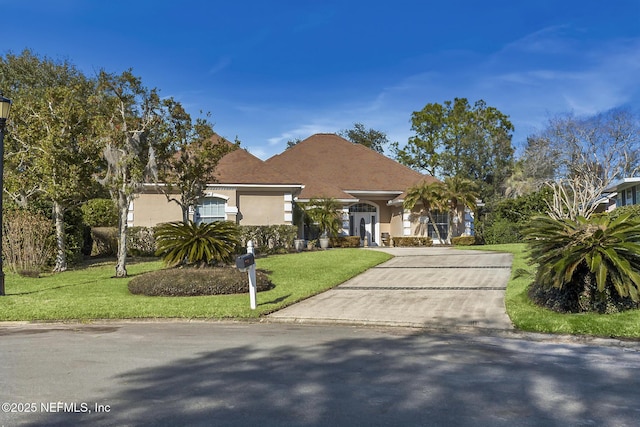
x=27, y=243
x=502, y=221
x=105, y=241
x=345, y=242
x=269, y=239
x=196, y=282
x=463, y=241
x=500, y=231
x=411, y=241
x=141, y=241
x=586, y=264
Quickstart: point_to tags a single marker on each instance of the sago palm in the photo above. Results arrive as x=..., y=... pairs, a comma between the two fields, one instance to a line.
x=607, y=250
x=198, y=244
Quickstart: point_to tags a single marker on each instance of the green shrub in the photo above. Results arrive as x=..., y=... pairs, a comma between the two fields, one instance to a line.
x=345, y=242
x=200, y=244
x=501, y=231
x=463, y=241
x=105, y=241
x=412, y=241
x=141, y=241
x=100, y=213
x=269, y=238
x=594, y=264
x=196, y=282
x=633, y=210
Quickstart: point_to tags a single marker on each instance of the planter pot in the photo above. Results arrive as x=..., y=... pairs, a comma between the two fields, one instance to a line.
x=324, y=242
x=298, y=244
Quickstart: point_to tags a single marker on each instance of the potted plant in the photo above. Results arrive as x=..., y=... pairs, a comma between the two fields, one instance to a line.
x=298, y=244
x=326, y=213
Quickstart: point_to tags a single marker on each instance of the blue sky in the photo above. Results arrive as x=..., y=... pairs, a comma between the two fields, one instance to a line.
x=270, y=71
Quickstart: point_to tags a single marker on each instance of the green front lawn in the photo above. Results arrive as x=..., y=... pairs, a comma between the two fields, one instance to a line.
x=92, y=293
x=529, y=317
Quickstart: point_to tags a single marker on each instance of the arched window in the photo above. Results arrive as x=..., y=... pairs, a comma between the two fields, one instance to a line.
x=210, y=210
x=362, y=207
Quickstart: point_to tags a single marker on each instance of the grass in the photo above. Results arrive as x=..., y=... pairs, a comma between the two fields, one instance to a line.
x=527, y=316
x=92, y=293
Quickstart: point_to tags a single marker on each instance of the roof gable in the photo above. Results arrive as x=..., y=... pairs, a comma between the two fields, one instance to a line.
x=329, y=166
x=242, y=167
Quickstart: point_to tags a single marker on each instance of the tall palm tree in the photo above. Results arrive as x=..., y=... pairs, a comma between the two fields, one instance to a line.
x=458, y=191
x=430, y=195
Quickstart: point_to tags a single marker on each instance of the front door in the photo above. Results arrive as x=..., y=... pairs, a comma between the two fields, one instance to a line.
x=363, y=222
x=364, y=226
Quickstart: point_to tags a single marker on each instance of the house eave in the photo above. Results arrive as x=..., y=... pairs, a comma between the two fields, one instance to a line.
x=622, y=184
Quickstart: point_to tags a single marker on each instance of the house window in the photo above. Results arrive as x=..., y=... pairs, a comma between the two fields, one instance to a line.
x=442, y=222
x=362, y=207
x=629, y=199
x=210, y=210
x=373, y=228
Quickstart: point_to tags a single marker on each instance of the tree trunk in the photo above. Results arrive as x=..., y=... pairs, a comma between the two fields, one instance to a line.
x=435, y=226
x=123, y=210
x=61, y=256
x=185, y=213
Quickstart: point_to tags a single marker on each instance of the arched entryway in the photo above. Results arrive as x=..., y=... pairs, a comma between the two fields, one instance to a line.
x=364, y=222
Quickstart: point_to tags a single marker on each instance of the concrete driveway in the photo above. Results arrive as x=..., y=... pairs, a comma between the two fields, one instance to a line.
x=442, y=288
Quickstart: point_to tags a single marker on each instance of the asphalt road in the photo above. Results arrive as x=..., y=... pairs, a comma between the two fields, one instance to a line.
x=247, y=374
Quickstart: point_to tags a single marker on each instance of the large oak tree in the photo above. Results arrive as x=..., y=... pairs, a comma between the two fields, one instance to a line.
x=51, y=146
x=459, y=139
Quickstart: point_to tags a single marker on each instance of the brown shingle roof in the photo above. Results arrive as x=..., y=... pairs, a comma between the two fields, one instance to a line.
x=242, y=167
x=328, y=164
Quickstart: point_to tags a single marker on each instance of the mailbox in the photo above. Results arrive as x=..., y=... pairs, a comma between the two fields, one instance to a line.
x=243, y=262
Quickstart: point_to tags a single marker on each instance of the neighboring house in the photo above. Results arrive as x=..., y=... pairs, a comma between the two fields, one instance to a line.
x=369, y=186
x=623, y=193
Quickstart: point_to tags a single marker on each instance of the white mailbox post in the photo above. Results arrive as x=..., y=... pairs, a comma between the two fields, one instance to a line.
x=247, y=263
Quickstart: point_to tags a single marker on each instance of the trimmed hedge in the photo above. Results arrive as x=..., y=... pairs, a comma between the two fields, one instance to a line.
x=345, y=242
x=269, y=238
x=140, y=241
x=463, y=241
x=105, y=241
x=179, y=282
x=411, y=241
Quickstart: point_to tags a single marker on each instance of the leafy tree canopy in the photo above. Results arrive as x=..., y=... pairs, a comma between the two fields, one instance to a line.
x=459, y=139
x=371, y=138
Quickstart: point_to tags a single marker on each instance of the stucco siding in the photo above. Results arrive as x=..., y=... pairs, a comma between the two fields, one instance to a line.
x=152, y=209
x=263, y=208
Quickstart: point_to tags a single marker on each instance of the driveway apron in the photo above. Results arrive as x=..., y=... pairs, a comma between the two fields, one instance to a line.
x=437, y=287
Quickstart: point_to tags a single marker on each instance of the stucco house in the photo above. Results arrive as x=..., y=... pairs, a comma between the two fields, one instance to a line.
x=369, y=186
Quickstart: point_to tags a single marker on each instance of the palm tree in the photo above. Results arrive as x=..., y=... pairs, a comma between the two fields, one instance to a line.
x=458, y=191
x=430, y=195
x=327, y=214
x=573, y=255
x=181, y=243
